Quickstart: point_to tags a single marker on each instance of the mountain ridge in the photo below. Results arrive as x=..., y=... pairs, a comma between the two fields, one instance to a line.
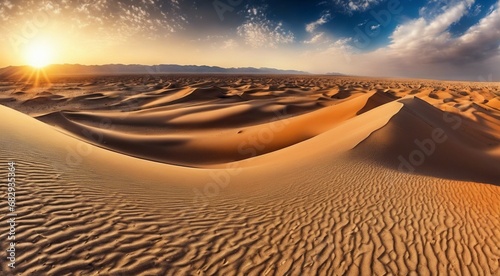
x=138, y=69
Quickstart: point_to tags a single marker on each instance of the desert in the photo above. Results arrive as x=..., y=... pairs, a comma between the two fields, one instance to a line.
x=252, y=175
x=256, y=137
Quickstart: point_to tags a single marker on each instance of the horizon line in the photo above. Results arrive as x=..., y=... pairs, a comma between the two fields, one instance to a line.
x=299, y=72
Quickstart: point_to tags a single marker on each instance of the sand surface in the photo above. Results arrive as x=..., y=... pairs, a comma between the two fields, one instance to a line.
x=252, y=175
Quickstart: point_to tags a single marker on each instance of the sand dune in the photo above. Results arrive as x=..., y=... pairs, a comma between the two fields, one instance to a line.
x=215, y=141
x=259, y=175
x=423, y=139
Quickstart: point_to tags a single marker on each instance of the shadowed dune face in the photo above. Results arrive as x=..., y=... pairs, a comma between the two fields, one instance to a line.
x=424, y=140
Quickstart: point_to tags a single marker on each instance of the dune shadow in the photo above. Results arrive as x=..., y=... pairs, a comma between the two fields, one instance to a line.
x=424, y=140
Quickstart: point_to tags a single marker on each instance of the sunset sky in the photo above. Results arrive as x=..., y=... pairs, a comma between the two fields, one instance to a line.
x=450, y=39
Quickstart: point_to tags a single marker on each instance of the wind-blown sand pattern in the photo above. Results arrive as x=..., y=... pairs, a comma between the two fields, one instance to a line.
x=253, y=175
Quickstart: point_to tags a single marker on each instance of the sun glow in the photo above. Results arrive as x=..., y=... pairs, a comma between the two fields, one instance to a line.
x=39, y=54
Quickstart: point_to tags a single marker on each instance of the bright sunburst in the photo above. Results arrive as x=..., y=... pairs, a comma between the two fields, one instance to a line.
x=39, y=54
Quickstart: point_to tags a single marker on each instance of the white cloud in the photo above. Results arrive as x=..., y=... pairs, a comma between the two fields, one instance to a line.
x=316, y=38
x=356, y=5
x=429, y=41
x=258, y=31
x=492, y=7
x=477, y=10
x=422, y=48
x=116, y=20
x=8, y=5
x=434, y=8
x=230, y=44
x=311, y=27
x=344, y=45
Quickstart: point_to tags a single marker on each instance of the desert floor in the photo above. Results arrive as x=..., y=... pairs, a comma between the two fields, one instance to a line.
x=251, y=175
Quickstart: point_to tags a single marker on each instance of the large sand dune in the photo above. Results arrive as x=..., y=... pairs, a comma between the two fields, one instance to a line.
x=253, y=175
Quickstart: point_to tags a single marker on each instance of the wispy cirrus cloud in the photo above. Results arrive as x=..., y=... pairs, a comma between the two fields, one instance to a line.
x=315, y=36
x=311, y=27
x=319, y=37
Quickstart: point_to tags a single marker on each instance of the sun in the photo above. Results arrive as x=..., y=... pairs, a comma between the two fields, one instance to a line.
x=39, y=54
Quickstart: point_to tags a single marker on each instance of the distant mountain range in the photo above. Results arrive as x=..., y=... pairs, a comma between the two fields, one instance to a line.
x=335, y=74
x=115, y=69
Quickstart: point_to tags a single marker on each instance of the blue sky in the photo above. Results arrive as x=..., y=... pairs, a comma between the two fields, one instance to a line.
x=442, y=39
